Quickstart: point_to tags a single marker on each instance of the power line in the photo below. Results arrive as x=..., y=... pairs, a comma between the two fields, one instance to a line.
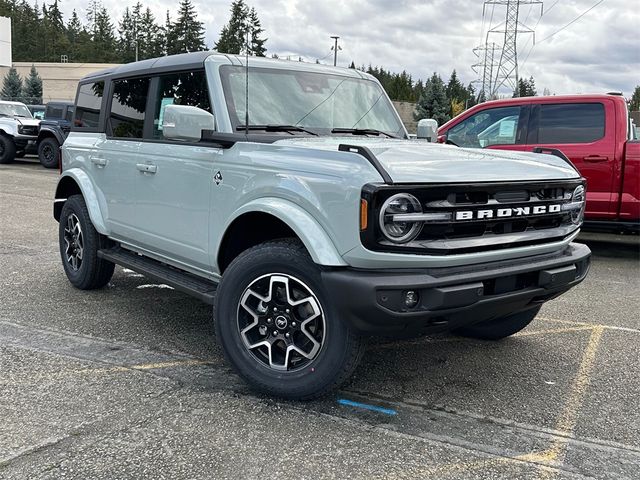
x=572, y=21
x=560, y=29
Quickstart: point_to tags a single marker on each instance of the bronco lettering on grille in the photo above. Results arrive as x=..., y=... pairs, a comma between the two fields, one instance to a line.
x=507, y=212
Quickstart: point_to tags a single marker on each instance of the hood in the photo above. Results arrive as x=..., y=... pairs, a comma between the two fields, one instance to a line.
x=27, y=121
x=418, y=161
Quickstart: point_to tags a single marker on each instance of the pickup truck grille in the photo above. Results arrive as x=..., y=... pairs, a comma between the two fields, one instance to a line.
x=479, y=217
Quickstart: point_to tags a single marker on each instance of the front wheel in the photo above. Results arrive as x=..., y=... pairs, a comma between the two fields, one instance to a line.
x=7, y=149
x=79, y=245
x=499, y=328
x=277, y=327
x=48, y=152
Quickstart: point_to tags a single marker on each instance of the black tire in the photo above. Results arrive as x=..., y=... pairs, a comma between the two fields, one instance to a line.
x=90, y=272
x=48, y=149
x=340, y=351
x=499, y=328
x=7, y=149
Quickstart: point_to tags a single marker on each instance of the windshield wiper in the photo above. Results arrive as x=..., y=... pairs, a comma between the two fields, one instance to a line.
x=362, y=131
x=277, y=128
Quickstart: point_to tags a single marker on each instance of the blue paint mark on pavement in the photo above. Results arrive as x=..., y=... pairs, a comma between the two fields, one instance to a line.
x=366, y=406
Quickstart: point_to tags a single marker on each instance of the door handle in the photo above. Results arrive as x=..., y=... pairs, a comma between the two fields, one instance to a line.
x=595, y=158
x=146, y=167
x=98, y=161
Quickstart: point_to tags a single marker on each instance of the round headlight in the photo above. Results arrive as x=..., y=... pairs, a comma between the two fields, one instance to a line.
x=578, y=196
x=400, y=231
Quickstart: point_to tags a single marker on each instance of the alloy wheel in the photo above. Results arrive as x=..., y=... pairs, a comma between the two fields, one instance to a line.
x=281, y=322
x=74, y=242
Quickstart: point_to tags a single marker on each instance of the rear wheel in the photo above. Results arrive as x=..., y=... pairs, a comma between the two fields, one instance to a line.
x=499, y=328
x=79, y=245
x=48, y=152
x=277, y=327
x=7, y=149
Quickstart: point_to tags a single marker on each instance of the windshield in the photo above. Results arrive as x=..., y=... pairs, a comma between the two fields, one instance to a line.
x=316, y=101
x=14, y=110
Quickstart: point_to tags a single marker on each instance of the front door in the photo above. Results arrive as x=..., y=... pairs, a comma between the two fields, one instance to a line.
x=500, y=128
x=175, y=181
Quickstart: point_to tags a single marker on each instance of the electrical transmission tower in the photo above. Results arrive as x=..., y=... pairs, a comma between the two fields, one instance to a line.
x=505, y=71
x=485, y=67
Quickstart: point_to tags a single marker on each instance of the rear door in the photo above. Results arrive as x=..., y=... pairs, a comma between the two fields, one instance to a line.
x=580, y=131
x=117, y=154
x=500, y=128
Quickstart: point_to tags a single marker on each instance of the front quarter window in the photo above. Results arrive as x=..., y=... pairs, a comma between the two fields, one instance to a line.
x=495, y=126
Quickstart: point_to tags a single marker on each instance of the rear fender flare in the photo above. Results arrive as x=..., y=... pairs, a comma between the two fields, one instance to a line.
x=88, y=192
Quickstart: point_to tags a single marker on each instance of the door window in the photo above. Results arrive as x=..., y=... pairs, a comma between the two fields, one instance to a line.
x=495, y=126
x=183, y=88
x=88, y=105
x=53, y=112
x=128, y=105
x=571, y=123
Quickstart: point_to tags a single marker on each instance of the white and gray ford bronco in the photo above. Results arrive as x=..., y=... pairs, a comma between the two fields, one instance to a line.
x=306, y=215
x=18, y=131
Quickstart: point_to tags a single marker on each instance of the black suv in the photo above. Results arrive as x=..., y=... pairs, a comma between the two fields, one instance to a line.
x=53, y=131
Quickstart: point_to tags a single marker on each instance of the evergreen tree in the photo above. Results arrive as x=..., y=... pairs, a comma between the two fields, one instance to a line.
x=54, y=32
x=433, y=102
x=257, y=47
x=634, y=104
x=78, y=38
x=526, y=88
x=12, y=86
x=104, y=40
x=187, y=34
x=233, y=37
x=151, y=36
x=32, y=92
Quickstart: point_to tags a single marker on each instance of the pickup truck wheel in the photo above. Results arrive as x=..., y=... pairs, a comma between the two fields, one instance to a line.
x=79, y=245
x=499, y=328
x=7, y=149
x=48, y=152
x=277, y=327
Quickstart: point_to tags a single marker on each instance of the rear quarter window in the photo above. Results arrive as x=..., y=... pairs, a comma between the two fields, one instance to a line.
x=571, y=123
x=88, y=105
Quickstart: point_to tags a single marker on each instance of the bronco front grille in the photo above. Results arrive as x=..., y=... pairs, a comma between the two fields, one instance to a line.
x=29, y=129
x=481, y=216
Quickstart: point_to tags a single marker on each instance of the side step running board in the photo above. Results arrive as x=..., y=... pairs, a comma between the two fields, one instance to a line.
x=186, y=282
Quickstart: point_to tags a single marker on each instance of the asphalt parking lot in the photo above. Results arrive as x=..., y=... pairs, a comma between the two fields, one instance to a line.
x=127, y=382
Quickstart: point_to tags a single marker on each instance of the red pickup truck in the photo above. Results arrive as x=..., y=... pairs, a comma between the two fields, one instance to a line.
x=594, y=131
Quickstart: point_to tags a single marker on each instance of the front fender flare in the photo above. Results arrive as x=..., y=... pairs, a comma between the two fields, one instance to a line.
x=313, y=236
x=88, y=192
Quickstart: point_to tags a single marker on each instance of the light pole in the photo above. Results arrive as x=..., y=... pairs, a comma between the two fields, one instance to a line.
x=335, y=50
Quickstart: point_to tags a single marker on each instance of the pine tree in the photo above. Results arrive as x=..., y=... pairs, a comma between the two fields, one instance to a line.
x=187, y=34
x=233, y=35
x=257, y=47
x=151, y=36
x=104, y=40
x=32, y=92
x=12, y=86
x=634, y=104
x=433, y=102
x=127, y=37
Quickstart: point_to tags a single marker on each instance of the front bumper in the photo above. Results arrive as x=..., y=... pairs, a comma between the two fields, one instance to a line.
x=449, y=298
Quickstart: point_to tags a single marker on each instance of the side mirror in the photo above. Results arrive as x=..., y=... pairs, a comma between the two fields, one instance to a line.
x=184, y=122
x=428, y=129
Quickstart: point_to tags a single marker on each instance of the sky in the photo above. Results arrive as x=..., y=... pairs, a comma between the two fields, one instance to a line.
x=597, y=53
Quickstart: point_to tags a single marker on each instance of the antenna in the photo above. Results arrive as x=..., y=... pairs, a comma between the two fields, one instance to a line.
x=246, y=86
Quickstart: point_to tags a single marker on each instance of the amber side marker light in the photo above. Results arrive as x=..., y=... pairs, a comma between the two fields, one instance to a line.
x=364, y=219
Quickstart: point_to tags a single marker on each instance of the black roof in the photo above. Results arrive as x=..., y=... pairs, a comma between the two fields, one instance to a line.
x=183, y=61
